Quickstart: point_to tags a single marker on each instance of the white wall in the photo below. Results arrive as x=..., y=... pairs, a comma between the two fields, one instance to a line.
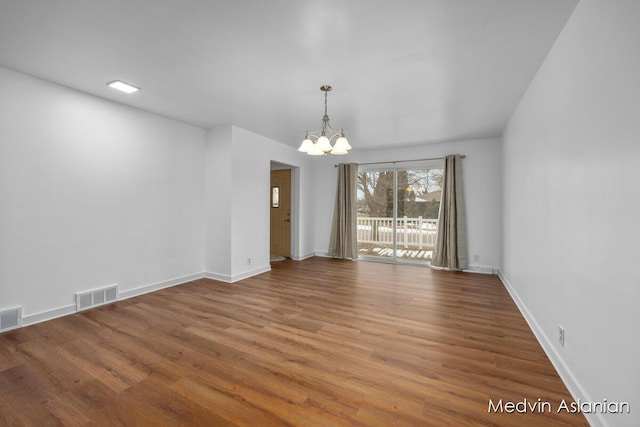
x=240, y=161
x=92, y=193
x=482, y=188
x=218, y=189
x=571, y=186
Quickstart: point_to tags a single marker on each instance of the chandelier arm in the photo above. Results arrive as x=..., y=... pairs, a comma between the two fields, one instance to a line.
x=333, y=130
x=318, y=133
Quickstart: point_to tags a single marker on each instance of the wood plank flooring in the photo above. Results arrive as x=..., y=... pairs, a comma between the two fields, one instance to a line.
x=320, y=342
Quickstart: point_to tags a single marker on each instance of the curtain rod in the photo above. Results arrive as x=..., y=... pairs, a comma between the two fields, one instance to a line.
x=403, y=161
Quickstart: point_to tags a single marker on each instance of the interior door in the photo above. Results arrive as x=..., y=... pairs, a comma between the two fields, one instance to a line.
x=281, y=212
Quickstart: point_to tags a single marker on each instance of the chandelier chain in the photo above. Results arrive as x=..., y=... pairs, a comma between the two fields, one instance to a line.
x=325, y=102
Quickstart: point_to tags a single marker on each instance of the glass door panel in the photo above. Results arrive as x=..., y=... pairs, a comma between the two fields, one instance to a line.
x=376, y=207
x=419, y=192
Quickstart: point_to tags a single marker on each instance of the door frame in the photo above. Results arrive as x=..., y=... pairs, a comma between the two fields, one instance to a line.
x=295, y=205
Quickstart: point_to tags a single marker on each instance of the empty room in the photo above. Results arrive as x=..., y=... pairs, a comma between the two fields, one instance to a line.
x=337, y=213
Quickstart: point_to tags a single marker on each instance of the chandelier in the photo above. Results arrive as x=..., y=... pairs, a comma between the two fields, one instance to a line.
x=318, y=143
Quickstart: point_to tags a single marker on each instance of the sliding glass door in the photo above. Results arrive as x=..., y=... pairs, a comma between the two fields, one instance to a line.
x=398, y=208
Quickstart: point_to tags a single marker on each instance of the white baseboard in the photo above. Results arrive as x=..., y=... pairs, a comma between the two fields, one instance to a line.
x=303, y=257
x=484, y=269
x=324, y=254
x=43, y=316
x=572, y=383
x=159, y=285
x=251, y=273
x=217, y=276
x=70, y=309
x=237, y=277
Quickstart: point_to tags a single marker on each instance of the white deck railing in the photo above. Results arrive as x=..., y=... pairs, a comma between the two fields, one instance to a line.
x=411, y=232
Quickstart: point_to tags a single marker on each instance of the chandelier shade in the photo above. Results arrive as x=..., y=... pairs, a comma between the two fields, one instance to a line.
x=315, y=151
x=318, y=143
x=306, y=145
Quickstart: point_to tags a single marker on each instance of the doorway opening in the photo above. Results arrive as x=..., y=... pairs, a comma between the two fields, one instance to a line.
x=282, y=212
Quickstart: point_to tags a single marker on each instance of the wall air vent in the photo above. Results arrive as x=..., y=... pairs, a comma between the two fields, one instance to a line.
x=10, y=319
x=96, y=297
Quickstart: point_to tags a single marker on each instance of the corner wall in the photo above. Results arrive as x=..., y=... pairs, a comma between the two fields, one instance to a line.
x=571, y=206
x=95, y=193
x=217, y=196
x=237, y=199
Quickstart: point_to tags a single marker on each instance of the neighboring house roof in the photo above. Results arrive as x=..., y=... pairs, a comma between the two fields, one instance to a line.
x=434, y=196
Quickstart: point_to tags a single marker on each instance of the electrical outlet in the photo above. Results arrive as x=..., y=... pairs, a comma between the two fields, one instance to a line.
x=476, y=258
x=248, y=261
x=561, y=335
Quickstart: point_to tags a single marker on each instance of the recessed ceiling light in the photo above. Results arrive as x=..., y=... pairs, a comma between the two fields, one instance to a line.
x=124, y=87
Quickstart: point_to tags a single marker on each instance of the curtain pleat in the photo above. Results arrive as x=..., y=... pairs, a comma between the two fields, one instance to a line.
x=343, y=242
x=451, y=238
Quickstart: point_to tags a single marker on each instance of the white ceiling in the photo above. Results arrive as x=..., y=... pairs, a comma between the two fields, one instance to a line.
x=403, y=71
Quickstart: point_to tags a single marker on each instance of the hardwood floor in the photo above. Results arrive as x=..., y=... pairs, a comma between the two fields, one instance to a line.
x=319, y=342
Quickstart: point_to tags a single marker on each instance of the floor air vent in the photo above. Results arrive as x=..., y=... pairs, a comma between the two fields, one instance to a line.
x=89, y=299
x=10, y=319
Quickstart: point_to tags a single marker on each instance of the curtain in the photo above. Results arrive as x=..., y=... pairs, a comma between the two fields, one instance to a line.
x=451, y=238
x=343, y=242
